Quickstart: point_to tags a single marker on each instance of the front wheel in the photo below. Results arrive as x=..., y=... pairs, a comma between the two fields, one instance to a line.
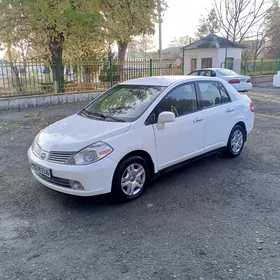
x=236, y=141
x=131, y=178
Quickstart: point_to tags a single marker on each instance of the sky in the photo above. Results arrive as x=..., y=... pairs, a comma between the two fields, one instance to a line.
x=182, y=18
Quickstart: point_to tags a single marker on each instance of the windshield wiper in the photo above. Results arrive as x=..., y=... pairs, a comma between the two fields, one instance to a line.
x=103, y=116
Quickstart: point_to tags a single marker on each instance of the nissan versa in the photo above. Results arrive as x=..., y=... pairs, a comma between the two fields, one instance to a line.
x=136, y=130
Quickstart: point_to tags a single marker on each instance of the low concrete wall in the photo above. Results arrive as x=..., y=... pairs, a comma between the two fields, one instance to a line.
x=19, y=103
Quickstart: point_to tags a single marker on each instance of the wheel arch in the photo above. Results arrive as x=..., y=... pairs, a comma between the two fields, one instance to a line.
x=141, y=153
x=243, y=125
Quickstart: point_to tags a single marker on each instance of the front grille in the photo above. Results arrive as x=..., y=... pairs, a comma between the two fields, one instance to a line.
x=60, y=157
x=37, y=150
x=56, y=181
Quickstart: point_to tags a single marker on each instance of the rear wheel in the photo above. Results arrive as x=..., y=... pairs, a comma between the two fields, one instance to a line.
x=236, y=141
x=131, y=178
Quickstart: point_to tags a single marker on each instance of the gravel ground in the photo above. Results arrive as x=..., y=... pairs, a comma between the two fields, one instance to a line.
x=214, y=219
x=267, y=91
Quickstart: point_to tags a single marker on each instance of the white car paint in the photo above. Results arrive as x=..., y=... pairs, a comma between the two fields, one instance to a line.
x=244, y=83
x=188, y=136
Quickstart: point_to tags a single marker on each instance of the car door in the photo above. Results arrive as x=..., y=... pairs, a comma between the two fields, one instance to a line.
x=218, y=114
x=183, y=138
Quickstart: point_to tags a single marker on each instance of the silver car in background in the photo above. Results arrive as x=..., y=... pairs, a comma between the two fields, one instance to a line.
x=240, y=82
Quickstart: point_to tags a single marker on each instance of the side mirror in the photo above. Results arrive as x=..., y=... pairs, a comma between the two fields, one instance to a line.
x=163, y=118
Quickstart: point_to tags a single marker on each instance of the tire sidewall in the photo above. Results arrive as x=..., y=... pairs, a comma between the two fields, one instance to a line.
x=116, y=186
x=229, y=149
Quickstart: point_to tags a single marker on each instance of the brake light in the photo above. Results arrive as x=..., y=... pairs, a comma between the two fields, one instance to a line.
x=249, y=81
x=252, y=107
x=236, y=81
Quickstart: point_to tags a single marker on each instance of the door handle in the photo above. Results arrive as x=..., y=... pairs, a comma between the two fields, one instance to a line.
x=229, y=110
x=197, y=120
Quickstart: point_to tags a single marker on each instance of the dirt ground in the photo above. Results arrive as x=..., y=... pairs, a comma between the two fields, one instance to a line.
x=215, y=219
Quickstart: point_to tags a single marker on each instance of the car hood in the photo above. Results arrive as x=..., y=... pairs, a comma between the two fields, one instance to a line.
x=76, y=132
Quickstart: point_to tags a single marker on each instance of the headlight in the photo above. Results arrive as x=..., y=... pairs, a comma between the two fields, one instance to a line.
x=90, y=154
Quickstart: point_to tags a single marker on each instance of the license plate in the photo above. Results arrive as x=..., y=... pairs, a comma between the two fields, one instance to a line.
x=41, y=170
x=242, y=80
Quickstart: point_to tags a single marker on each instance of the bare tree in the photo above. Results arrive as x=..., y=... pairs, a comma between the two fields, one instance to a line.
x=272, y=25
x=145, y=43
x=180, y=41
x=208, y=25
x=238, y=18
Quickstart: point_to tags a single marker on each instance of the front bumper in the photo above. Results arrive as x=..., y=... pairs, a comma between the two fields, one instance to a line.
x=96, y=178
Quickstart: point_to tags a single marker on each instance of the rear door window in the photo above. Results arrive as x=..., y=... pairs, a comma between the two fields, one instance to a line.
x=224, y=94
x=210, y=94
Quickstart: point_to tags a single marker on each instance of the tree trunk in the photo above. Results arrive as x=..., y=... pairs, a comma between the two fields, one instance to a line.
x=16, y=81
x=56, y=49
x=122, y=47
x=86, y=75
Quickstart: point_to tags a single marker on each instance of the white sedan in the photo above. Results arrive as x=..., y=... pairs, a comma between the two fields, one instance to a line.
x=239, y=82
x=137, y=130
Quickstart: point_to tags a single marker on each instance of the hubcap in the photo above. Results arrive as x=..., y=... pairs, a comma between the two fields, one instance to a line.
x=237, y=141
x=133, y=179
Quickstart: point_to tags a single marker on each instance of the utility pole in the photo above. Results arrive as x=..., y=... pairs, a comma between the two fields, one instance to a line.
x=159, y=31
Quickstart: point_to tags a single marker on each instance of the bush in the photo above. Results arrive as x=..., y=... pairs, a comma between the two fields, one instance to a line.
x=104, y=76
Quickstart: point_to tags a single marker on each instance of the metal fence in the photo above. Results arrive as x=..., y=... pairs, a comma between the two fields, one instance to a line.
x=21, y=78
x=253, y=67
x=259, y=66
x=33, y=77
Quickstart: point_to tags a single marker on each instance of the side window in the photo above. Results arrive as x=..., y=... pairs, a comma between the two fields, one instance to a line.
x=181, y=101
x=213, y=74
x=210, y=94
x=224, y=94
x=206, y=73
x=194, y=73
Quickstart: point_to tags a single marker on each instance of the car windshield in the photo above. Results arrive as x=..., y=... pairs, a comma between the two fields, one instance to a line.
x=227, y=72
x=123, y=103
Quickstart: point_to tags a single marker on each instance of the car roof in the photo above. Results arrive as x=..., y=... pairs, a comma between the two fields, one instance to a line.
x=208, y=69
x=163, y=80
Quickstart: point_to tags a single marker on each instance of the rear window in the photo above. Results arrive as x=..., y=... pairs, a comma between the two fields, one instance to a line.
x=227, y=72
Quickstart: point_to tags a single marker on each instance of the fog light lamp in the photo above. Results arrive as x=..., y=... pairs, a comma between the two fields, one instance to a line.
x=76, y=185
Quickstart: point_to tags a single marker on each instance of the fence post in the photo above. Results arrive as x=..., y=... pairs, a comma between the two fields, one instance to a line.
x=277, y=64
x=59, y=76
x=151, y=67
x=111, y=70
x=245, y=66
x=183, y=63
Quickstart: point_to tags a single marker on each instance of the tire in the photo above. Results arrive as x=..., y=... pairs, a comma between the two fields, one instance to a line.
x=130, y=179
x=236, y=141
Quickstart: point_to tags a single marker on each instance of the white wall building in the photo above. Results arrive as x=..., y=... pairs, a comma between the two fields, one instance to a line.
x=212, y=52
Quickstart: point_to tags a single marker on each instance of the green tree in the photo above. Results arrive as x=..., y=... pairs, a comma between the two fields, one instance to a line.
x=48, y=25
x=125, y=19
